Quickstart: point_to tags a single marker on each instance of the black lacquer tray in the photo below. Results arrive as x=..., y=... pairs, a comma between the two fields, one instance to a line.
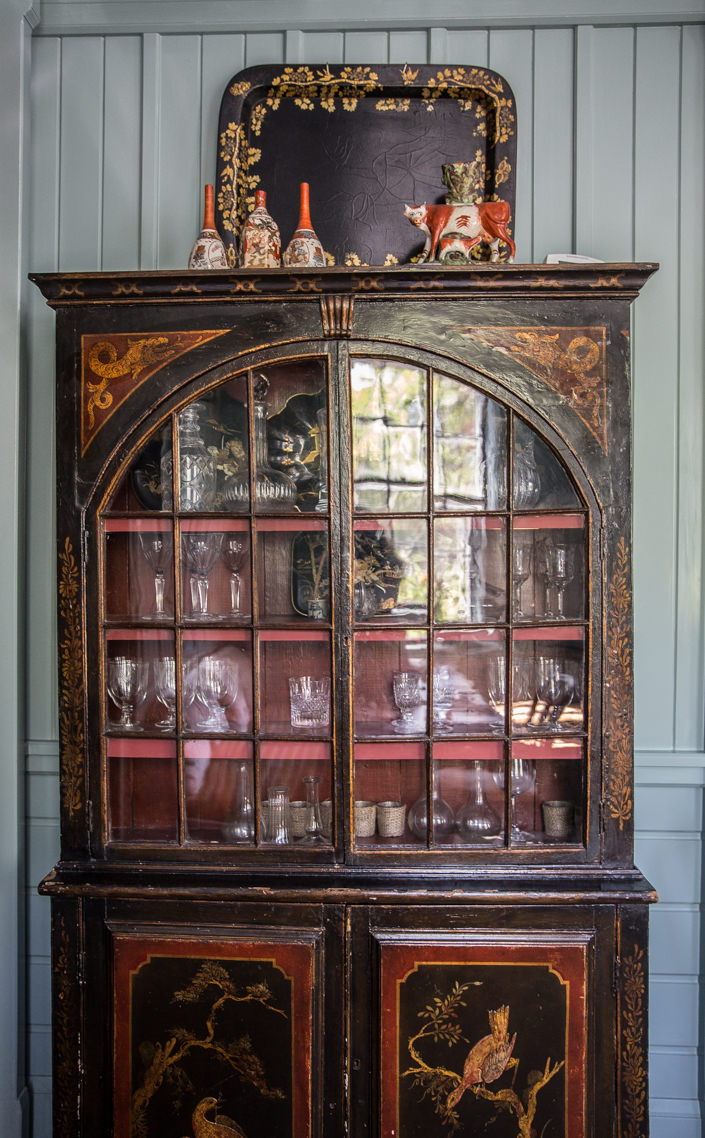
x=368, y=140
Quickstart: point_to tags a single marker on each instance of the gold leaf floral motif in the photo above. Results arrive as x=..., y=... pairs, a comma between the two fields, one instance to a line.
x=65, y=1033
x=240, y=88
x=632, y=1044
x=408, y=76
x=618, y=692
x=71, y=738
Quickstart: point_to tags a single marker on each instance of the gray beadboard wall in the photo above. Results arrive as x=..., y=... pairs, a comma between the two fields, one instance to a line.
x=121, y=138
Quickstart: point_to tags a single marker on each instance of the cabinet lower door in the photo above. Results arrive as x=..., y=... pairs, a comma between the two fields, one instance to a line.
x=211, y=1023
x=498, y=1023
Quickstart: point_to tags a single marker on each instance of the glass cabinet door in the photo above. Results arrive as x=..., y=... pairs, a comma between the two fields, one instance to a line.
x=217, y=659
x=222, y=635
x=470, y=621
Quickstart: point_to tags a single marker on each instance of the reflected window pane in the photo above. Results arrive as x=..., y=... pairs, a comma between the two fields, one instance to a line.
x=469, y=448
x=539, y=478
x=389, y=436
x=469, y=570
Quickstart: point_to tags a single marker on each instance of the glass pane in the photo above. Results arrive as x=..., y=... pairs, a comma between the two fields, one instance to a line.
x=293, y=569
x=139, y=569
x=390, y=683
x=539, y=479
x=470, y=573
x=297, y=804
x=295, y=683
x=469, y=690
x=390, y=574
x=218, y=791
x=140, y=489
x=469, y=448
x=142, y=790
x=138, y=698
x=389, y=779
x=551, y=810
x=466, y=790
x=215, y=571
x=294, y=395
x=216, y=689
x=560, y=562
x=389, y=436
x=549, y=680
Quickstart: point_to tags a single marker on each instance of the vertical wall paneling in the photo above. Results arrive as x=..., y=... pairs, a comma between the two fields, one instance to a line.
x=151, y=110
x=366, y=47
x=469, y=48
x=655, y=397
x=264, y=47
x=438, y=51
x=690, y=678
x=81, y=169
x=408, y=47
x=583, y=133
x=512, y=55
x=180, y=191
x=316, y=47
x=553, y=142
x=222, y=58
x=122, y=163
x=604, y=126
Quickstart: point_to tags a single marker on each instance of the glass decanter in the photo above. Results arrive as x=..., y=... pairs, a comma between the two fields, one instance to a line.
x=313, y=826
x=442, y=815
x=239, y=829
x=197, y=467
x=476, y=820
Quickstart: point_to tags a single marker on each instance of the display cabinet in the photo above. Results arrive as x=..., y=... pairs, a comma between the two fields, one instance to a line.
x=345, y=705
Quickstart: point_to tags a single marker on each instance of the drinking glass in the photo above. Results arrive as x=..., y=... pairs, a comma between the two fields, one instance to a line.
x=443, y=692
x=557, y=569
x=522, y=776
x=521, y=571
x=234, y=552
x=156, y=549
x=201, y=553
x=278, y=816
x=127, y=687
x=497, y=690
x=408, y=694
x=214, y=687
x=556, y=689
x=165, y=687
x=309, y=701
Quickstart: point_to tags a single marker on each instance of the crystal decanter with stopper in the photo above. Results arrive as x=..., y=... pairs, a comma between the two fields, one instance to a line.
x=273, y=490
x=197, y=469
x=476, y=820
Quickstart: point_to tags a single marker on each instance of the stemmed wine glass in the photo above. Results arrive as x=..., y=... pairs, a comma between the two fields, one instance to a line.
x=165, y=687
x=215, y=689
x=443, y=692
x=233, y=553
x=408, y=694
x=156, y=549
x=557, y=570
x=127, y=687
x=497, y=690
x=556, y=689
x=522, y=776
x=521, y=571
x=201, y=553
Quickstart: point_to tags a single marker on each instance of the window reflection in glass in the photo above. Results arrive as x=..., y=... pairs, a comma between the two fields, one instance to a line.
x=469, y=448
x=389, y=407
